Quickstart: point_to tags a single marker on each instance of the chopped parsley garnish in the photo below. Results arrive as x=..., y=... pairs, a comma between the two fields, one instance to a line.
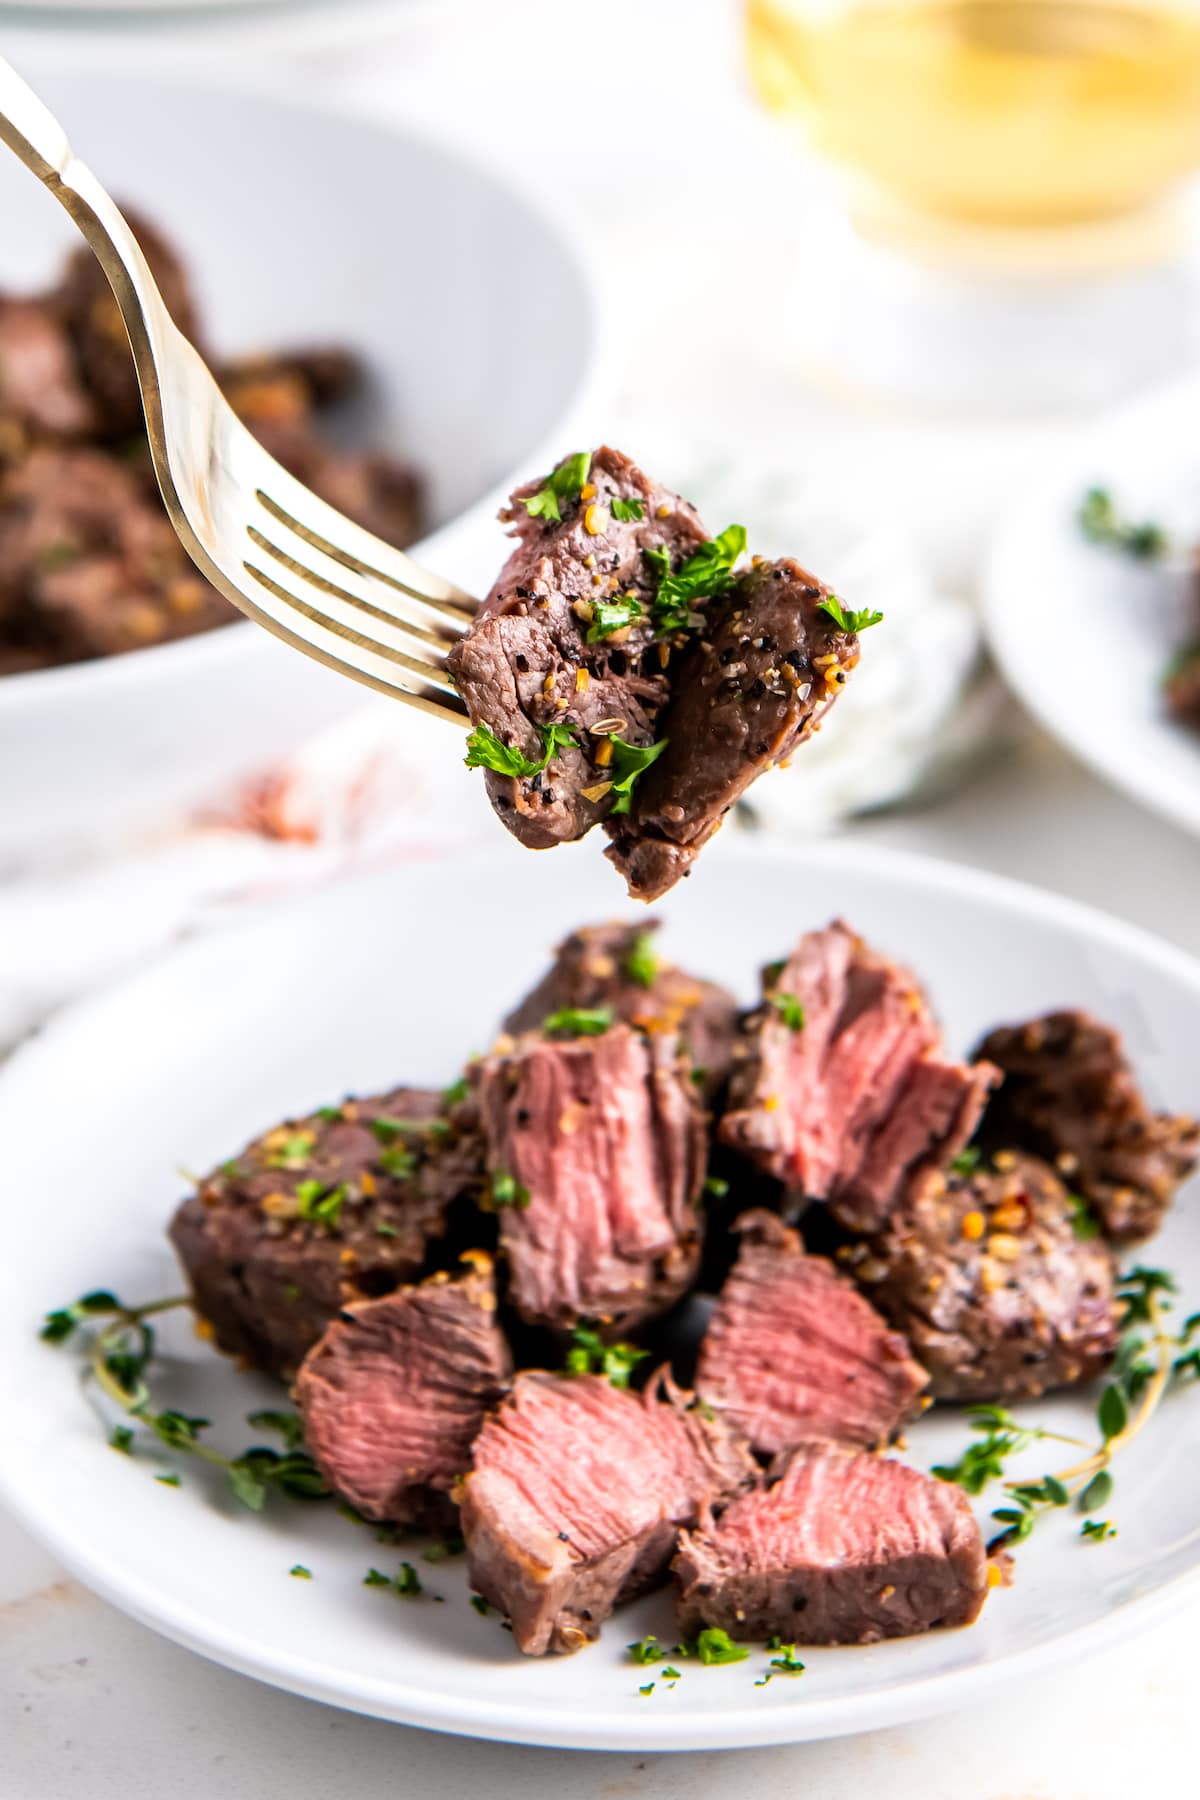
x=508, y=1191
x=122, y=1439
x=376, y=1578
x=848, y=620
x=398, y=1162
x=445, y=1548
x=329, y=1114
x=629, y=761
x=646, y=1650
x=169, y=1480
x=1084, y=1222
x=1101, y=523
x=789, y=1663
x=669, y=1674
x=641, y=964
x=564, y=485
x=578, y=1021
x=706, y=573
x=321, y=1205
x=790, y=1010
x=405, y=1582
x=481, y=1606
x=294, y=1152
x=648, y=1689
x=1097, y=1530
x=716, y=1646
x=388, y=1130
x=456, y=1092
x=715, y=1187
x=486, y=751
x=626, y=510
x=385, y=1228
x=300, y=1572
x=590, y=1355
x=613, y=615
x=966, y=1162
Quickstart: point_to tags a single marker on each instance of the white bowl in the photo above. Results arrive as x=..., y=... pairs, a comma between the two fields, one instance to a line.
x=366, y=984
x=472, y=310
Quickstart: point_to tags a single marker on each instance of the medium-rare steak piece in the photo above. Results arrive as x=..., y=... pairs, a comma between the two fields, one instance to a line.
x=845, y=1548
x=1069, y=1095
x=794, y=1352
x=751, y=685
x=616, y=966
x=394, y=1393
x=597, y=1148
x=318, y=1213
x=87, y=307
x=840, y=1089
x=986, y=1275
x=566, y=639
x=576, y=1496
x=40, y=389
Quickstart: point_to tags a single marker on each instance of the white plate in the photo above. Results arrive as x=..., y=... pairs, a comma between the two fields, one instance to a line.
x=1082, y=635
x=472, y=311
x=398, y=978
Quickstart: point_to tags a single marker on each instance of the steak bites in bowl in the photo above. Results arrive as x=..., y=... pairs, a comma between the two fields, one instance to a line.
x=627, y=669
x=526, y=1311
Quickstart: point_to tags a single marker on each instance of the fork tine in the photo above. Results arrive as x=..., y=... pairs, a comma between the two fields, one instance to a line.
x=440, y=596
x=397, y=682
x=439, y=640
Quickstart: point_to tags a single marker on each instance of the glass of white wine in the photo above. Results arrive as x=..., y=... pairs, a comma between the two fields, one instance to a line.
x=1031, y=158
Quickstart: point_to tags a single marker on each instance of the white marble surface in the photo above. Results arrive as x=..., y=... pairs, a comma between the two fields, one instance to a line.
x=92, y=1705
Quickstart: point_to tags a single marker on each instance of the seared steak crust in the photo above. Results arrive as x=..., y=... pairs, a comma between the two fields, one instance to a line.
x=394, y=1393
x=840, y=1089
x=597, y=966
x=576, y=1495
x=986, y=1276
x=753, y=682
x=269, y=1279
x=793, y=1352
x=845, y=1548
x=1068, y=1094
x=605, y=1141
x=526, y=661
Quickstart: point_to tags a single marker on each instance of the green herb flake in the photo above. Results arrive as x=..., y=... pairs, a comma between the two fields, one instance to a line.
x=287, y=1424
x=578, y=1021
x=590, y=1355
x=122, y=1439
x=300, y=1572
x=641, y=964
x=457, y=1092
x=385, y=1228
x=444, y=1549
x=294, y=1152
x=1084, y=1223
x=715, y=1187
x=847, y=619
x=376, y=1578
x=715, y=1646
x=407, y=1581
x=1096, y=1493
x=966, y=1162
x=705, y=574
x=508, y=1191
x=329, y=1115
x=1097, y=1530
x=563, y=486
x=486, y=751
x=646, y=1650
x=789, y=1663
x=609, y=616
x=481, y=1606
x=319, y=1205
x=648, y=1689
x=629, y=761
x=168, y=1480
x=398, y=1162
x=1101, y=523
x=669, y=1674
x=627, y=511
x=790, y=1010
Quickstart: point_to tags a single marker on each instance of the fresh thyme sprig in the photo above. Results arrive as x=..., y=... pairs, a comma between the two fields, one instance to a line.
x=1146, y=1364
x=119, y=1356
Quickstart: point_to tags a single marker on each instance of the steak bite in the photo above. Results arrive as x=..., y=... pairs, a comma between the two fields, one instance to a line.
x=840, y=1089
x=794, y=1352
x=394, y=1394
x=845, y=1548
x=320, y=1212
x=987, y=1277
x=566, y=638
x=576, y=1496
x=616, y=967
x=1069, y=1094
x=752, y=683
x=40, y=389
x=596, y=1148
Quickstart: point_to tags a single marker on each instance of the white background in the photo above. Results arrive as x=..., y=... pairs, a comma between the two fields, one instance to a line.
x=634, y=115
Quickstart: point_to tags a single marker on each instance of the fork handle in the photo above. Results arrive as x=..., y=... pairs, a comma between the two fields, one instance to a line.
x=32, y=132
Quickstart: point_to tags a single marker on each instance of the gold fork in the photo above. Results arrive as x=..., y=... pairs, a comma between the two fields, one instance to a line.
x=287, y=560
